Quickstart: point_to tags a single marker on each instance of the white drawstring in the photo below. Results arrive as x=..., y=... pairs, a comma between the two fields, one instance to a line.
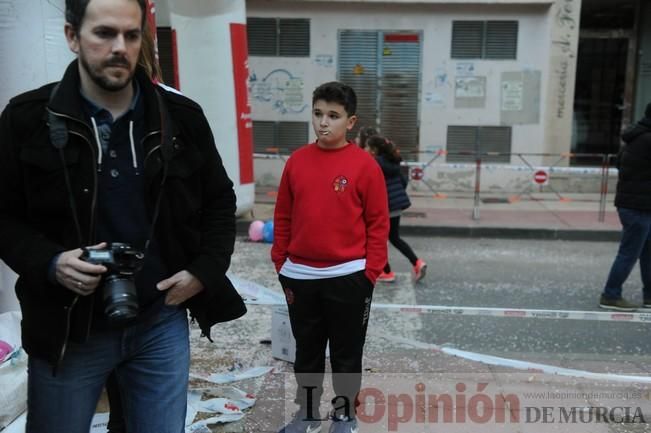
x=133, y=146
x=99, y=143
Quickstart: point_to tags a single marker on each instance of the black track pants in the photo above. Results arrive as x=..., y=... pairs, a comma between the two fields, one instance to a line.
x=334, y=310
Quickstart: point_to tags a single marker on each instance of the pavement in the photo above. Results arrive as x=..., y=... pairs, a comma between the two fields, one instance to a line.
x=545, y=215
x=418, y=387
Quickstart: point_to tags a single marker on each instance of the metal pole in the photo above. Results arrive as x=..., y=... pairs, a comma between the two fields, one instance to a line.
x=475, y=209
x=604, y=188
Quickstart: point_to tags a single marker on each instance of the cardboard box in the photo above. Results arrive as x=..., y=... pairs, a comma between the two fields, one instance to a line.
x=283, y=344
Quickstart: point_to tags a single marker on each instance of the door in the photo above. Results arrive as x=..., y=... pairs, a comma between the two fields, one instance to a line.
x=599, y=97
x=384, y=68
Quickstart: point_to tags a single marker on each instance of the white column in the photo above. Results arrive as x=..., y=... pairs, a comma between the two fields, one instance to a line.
x=206, y=75
x=564, y=32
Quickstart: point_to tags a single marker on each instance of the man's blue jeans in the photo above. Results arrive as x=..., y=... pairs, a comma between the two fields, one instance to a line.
x=635, y=244
x=151, y=361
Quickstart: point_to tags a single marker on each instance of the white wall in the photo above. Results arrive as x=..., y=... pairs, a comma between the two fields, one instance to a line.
x=33, y=47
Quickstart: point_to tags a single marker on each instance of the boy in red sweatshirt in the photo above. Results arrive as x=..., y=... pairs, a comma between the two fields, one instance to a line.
x=331, y=226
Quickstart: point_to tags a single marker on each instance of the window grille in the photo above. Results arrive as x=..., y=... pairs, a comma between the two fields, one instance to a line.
x=283, y=136
x=501, y=40
x=278, y=37
x=491, y=40
x=465, y=139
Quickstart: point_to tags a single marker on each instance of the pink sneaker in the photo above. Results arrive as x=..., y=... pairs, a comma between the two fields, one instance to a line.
x=420, y=268
x=387, y=277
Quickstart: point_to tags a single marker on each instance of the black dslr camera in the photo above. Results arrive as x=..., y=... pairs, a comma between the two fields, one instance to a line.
x=118, y=286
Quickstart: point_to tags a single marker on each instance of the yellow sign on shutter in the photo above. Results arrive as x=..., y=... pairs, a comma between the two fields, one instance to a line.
x=358, y=69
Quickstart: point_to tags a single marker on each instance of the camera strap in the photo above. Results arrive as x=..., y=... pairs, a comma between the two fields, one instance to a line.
x=166, y=139
x=58, y=127
x=59, y=139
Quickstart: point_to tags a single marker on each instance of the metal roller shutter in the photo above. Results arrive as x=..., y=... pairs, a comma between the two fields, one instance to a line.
x=358, y=59
x=384, y=69
x=399, y=90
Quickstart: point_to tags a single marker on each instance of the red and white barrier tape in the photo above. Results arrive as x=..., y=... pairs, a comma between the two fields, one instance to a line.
x=256, y=294
x=609, y=316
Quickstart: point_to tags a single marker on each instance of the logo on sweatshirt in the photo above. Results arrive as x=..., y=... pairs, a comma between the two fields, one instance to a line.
x=340, y=183
x=367, y=310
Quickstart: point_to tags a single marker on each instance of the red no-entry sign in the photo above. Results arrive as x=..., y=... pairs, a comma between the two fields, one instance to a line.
x=541, y=177
x=417, y=173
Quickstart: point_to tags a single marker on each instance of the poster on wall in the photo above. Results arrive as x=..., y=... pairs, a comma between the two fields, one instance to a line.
x=470, y=87
x=512, y=95
x=520, y=97
x=465, y=69
x=324, y=60
x=280, y=89
x=469, y=92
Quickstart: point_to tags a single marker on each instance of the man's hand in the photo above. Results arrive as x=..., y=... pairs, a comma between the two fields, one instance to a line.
x=181, y=287
x=77, y=275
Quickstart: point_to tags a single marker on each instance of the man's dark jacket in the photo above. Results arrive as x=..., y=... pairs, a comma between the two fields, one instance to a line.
x=195, y=228
x=634, y=163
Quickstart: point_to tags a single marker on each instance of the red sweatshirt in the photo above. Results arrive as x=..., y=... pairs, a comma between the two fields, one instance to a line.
x=331, y=209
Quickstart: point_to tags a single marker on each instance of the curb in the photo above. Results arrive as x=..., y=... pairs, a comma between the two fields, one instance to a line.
x=512, y=233
x=492, y=232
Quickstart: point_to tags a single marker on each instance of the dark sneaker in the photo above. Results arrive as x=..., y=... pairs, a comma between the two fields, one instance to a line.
x=647, y=304
x=301, y=425
x=619, y=304
x=343, y=424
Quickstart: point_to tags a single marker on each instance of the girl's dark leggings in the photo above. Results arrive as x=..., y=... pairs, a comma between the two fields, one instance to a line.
x=401, y=245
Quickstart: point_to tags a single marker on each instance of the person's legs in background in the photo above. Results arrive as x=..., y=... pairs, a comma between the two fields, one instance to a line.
x=636, y=228
x=645, y=271
x=419, y=266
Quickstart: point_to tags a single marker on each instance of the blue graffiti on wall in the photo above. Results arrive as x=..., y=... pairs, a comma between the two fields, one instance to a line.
x=279, y=88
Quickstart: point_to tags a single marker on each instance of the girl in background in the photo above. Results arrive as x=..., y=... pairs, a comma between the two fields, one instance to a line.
x=389, y=159
x=363, y=134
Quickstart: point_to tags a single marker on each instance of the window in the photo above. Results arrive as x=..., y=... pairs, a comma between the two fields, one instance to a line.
x=284, y=136
x=279, y=37
x=464, y=139
x=492, y=40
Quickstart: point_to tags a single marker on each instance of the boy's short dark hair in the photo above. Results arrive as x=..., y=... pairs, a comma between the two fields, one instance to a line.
x=338, y=92
x=76, y=10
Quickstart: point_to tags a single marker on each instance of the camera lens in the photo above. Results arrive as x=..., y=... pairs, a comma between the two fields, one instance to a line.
x=120, y=299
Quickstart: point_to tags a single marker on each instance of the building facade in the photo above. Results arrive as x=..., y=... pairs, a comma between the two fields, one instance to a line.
x=503, y=77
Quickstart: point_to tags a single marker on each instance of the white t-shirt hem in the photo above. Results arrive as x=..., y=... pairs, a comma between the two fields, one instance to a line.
x=304, y=272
